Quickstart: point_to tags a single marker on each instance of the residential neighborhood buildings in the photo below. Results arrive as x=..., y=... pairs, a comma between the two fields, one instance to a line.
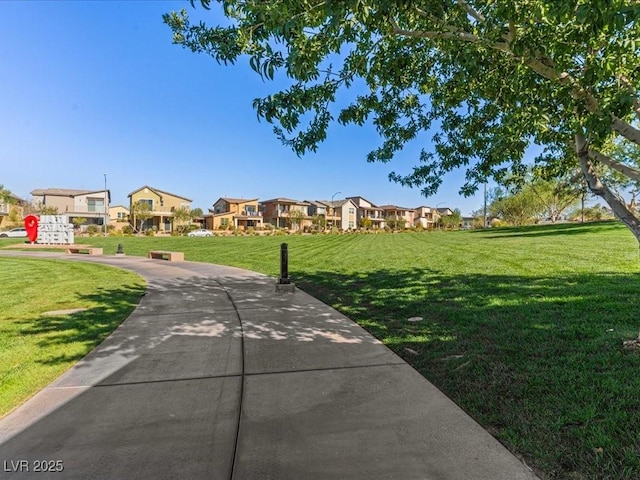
x=151, y=208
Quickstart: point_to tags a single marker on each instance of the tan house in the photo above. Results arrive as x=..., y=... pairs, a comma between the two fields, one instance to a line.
x=393, y=213
x=161, y=205
x=234, y=213
x=90, y=205
x=118, y=216
x=11, y=212
x=366, y=209
x=426, y=217
x=277, y=210
x=343, y=214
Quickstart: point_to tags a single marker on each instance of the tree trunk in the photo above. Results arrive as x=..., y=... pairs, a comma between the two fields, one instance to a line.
x=616, y=203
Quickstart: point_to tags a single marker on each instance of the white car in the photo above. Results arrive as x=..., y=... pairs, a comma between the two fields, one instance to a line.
x=14, y=233
x=200, y=233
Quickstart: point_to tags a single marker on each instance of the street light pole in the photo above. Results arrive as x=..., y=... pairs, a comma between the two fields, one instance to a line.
x=333, y=209
x=106, y=205
x=484, y=208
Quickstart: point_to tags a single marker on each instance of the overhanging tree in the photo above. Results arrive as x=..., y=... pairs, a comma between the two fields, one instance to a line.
x=489, y=78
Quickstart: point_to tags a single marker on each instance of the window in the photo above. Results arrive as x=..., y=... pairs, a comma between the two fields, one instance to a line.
x=352, y=224
x=224, y=222
x=95, y=204
x=121, y=215
x=147, y=201
x=352, y=211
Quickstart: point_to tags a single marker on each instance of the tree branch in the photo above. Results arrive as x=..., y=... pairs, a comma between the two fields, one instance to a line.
x=625, y=170
x=626, y=130
x=636, y=102
x=471, y=11
x=453, y=34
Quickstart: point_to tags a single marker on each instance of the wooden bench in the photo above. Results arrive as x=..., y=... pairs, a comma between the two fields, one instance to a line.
x=87, y=250
x=164, y=255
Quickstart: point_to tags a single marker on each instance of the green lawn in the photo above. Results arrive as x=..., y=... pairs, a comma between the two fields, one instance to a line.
x=522, y=327
x=36, y=348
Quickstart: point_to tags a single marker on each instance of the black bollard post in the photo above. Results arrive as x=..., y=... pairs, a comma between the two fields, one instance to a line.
x=284, y=283
x=284, y=265
x=120, y=250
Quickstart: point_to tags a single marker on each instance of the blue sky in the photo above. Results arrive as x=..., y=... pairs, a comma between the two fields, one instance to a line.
x=94, y=88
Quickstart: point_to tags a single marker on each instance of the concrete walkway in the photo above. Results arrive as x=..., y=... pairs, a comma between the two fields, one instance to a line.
x=215, y=376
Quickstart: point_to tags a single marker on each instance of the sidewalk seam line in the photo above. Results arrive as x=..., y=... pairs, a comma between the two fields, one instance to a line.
x=350, y=367
x=166, y=380
x=234, y=459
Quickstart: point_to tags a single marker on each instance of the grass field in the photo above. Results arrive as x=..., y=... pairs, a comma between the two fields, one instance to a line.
x=34, y=347
x=522, y=327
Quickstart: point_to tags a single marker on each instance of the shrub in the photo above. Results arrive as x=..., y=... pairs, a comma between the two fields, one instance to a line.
x=127, y=230
x=150, y=232
x=93, y=230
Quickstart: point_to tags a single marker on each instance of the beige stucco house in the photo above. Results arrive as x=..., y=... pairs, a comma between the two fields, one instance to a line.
x=342, y=214
x=118, y=216
x=90, y=205
x=239, y=213
x=366, y=209
x=11, y=212
x=277, y=210
x=401, y=214
x=426, y=217
x=161, y=205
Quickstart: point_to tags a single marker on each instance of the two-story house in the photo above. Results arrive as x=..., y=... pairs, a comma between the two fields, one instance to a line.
x=399, y=217
x=239, y=213
x=118, y=216
x=161, y=207
x=11, y=211
x=277, y=212
x=426, y=217
x=343, y=214
x=366, y=209
x=317, y=208
x=92, y=206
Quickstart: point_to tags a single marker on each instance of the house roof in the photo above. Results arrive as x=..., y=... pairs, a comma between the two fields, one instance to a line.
x=444, y=210
x=62, y=192
x=235, y=200
x=18, y=200
x=160, y=192
x=371, y=203
x=285, y=200
x=119, y=206
x=317, y=203
x=337, y=203
x=395, y=207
